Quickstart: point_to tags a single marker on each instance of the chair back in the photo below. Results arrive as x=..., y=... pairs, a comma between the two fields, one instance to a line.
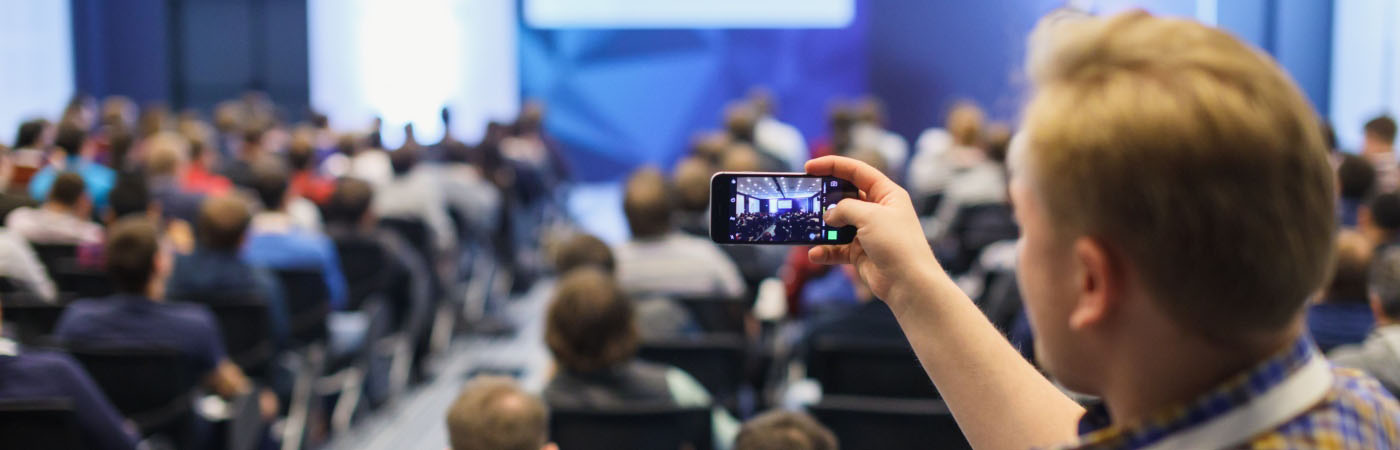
x=153, y=387
x=889, y=424
x=39, y=424
x=362, y=262
x=412, y=230
x=9, y=286
x=977, y=226
x=716, y=361
x=82, y=282
x=659, y=428
x=246, y=331
x=55, y=255
x=308, y=304
x=717, y=314
x=30, y=318
x=875, y=368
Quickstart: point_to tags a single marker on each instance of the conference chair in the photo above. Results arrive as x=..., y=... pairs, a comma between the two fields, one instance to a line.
x=83, y=283
x=846, y=366
x=717, y=314
x=39, y=424
x=862, y=423
x=54, y=255
x=1001, y=299
x=10, y=286
x=30, y=318
x=154, y=388
x=308, y=304
x=715, y=360
x=659, y=428
x=246, y=331
x=973, y=229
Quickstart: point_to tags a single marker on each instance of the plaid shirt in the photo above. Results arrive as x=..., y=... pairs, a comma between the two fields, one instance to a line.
x=1355, y=413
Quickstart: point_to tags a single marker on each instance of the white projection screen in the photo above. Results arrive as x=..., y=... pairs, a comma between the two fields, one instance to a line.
x=403, y=60
x=36, y=46
x=689, y=13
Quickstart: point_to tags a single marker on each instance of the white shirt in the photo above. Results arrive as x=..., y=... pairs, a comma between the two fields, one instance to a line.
x=43, y=226
x=781, y=140
x=676, y=265
x=418, y=195
x=372, y=166
x=19, y=263
x=890, y=145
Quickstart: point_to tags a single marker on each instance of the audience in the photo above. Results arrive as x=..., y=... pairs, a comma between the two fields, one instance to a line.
x=1342, y=315
x=1356, y=184
x=784, y=430
x=869, y=321
x=63, y=218
x=166, y=161
x=10, y=199
x=692, y=180
x=200, y=176
x=659, y=260
x=74, y=152
x=214, y=273
x=1379, y=220
x=591, y=331
x=1379, y=148
x=33, y=374
x=32, y=142
x=278, y=242
x=658, y=318
x=868, y=132
x=306, y=182
x=375, y=261
x=138, y=317
x=492, y=413
x=782, y=140
x=1379, y=355
x=943, y=151
x=414, y=194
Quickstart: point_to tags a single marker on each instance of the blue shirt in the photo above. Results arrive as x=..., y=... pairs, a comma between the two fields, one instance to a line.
x=208, y=274
x=136, y=322
x=1339, y=323
x=293, y=248
x=32, y=375
x=98, y=180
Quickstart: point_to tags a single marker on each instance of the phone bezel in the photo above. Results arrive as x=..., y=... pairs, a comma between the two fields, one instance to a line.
x=720, y=209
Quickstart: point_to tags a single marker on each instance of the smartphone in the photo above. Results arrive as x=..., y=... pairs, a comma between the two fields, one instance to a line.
x=776, y=208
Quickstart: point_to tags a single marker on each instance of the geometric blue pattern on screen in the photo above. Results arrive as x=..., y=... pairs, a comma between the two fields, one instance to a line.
x=622, y=99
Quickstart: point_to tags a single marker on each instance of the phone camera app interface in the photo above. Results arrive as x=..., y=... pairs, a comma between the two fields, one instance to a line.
x=781, y=209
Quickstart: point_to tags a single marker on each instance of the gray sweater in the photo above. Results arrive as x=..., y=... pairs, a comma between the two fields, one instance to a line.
x=1378, y=356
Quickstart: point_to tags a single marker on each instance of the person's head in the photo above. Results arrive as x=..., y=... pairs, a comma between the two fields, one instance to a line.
x=301, y=154
x=69, y=192
x=493, y=413
x=403, y=160
x=270, y=181
x=870, y=110
x=1379, y=134
x=740, y=157
x=134, y=260
x=31, y=134
x=130, y=196
x=692, y=177
x=70, y=140
x=1356, y=178
x=1350, y=264
x=251, y=143
x=784, y=430
x=589, y=326
x=223, y=221
x=582, y=250
x=647, y=203
x=1170, y=182
x=350, y=204
x=740, y=120
x=119, y=143
x=1379, y=219
x=873, y=158
x=710, y=145
x=996, y=139
x=965, y=123
x=1384, y=281
x=166, y=154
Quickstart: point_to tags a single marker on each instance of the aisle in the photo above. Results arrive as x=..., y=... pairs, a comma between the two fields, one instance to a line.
x=417, y=420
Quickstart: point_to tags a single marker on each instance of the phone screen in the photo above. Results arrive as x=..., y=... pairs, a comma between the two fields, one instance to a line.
x=776, y=208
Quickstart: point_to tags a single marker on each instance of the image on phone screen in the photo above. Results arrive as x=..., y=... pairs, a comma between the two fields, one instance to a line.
x=776, y=208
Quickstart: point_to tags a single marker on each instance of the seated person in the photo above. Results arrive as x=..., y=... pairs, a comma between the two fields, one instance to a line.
x=394, y=270
x=215, y=273
x=301, y=155
x=1356, y=183
x=1377, y=356
x=200, y=176
x=1379, y=220
x=167, y=158
x=63, y=218
x=75, y=154
x=415, y=194
x=784, y=430
x=138, y=316
x=1343, y=315
x=870, y=320
x=31, y=374
x=692, y=180
x=22, y=268
x=492, y=413
x=659, y=260
x=591, y=332
x=275, y=240
x=657, y=318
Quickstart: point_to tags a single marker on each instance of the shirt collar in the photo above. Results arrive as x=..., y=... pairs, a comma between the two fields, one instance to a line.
x=1096, y=429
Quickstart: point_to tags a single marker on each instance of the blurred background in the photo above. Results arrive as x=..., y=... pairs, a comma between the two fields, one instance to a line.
x=482, y=149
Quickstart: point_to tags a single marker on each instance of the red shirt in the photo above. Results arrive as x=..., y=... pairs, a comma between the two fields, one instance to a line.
x=199, y=180
x=312, y=187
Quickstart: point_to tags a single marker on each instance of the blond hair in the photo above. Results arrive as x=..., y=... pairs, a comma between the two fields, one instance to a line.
x=965, y=123
x=493, y=413
x=1191, y=155
x=165, y=152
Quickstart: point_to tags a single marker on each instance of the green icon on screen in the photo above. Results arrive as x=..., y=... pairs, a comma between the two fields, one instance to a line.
x=831, y=235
